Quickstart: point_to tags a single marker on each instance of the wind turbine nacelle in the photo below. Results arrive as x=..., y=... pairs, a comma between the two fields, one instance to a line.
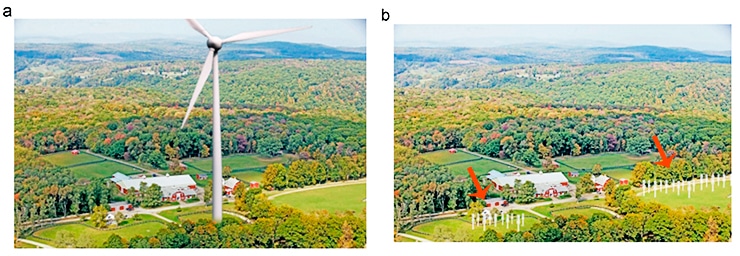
x=215, y=43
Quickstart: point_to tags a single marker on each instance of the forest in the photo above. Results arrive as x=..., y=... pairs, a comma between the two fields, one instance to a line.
x=131, y=110
x=530, y=114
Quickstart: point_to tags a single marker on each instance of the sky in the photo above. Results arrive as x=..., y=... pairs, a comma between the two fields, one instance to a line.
x=336, y=33
x=697, y=37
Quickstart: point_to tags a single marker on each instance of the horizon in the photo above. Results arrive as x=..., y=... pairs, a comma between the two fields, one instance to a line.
x=334, y=33
x=715, y=38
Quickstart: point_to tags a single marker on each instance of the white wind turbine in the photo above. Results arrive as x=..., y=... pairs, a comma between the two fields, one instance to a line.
x=214, y=44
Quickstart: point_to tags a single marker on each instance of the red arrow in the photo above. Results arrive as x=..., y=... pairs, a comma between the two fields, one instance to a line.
x=481, y=192
x=665, y=161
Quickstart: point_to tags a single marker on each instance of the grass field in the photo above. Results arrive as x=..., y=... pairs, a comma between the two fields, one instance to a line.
x=172, y=214
x=99, y=236
x=445, y=157
x=332, y=199
x=463, y=223
x=102, y=170
x=480, y=167
x=248, y=176
x=545, y=209
x=25, y=245
x=401, y=239
x=699, y=198
x=619, y=173
x=66, y=158
x=605, y=159
x=240, y=161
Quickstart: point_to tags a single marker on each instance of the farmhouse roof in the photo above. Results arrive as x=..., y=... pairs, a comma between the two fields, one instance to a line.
x=162, y=181
x=119, y=177
x=231, y=182
x=536, y=178
x=601, y=180
x=493, y=174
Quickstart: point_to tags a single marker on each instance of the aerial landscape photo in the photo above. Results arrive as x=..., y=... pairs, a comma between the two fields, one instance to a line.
x=562, y=133
x=189, y=134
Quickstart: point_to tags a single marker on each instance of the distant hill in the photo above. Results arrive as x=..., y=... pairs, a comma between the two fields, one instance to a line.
x=174, y=50
x=538, y=54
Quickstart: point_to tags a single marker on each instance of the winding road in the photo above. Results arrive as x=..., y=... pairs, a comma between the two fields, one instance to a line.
x=45, y=246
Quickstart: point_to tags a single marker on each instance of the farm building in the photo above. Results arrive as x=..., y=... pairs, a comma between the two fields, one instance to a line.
x=120, y=206
x=452, y=150
x=599, y=182
x=493, y=174
x=230, y=185
x=201, y=176
x=493, y=202
x=174, y=188
x=254, y=184
x=573, y=174
x=75, y=152
x=624, y=182
x=545, y=184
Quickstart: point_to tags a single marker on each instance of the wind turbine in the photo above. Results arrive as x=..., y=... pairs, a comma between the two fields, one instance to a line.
x=214, y=44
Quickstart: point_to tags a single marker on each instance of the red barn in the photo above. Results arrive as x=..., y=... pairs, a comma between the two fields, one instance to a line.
x=599, y=182
x=452, y=150
x=75, y=152
x=546, y=184
x=254, y=184
x=624, y=182
x=230, y=185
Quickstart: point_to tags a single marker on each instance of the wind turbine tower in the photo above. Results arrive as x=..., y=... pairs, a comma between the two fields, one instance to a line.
x=214, y=45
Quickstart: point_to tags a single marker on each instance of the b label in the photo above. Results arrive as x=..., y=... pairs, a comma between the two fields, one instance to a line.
x=384, y=15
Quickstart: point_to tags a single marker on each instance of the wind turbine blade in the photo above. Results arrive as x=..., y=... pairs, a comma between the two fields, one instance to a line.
x=195, y=25
x=257, y=34
x=199, y=86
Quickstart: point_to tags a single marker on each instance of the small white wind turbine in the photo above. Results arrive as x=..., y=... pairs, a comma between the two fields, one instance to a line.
x=214, y=44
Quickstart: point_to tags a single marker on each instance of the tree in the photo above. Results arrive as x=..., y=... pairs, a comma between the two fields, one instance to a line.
x=98, y=216
x=269, y=146
x=609, y=192
x=132, y=198
x=576, y=149
x=712, y=233
x=119, y=217
x=138, y=241
x=226, y=171
x=151, y=196
x=65, y=239
x=490, y=235
x=596, y=170
x=115, y=241
x=208, y=191
x=85, y=241
x=525, y=192
x=585, y=185
x=205, y=151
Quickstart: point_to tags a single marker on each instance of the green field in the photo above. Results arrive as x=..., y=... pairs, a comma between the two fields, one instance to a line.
x=25, y=245
x=332, y=199
x=102, y=170
x=99, y=236
x=402, y=239
x=172, y=214
x=247, y=176
x=618, y=173
x=66, y=158
x=699, y=198
x=240, y=161
x=463, y=223
x=482, y=166
x=444, y=157
x=545, y=209
x=605, y=159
